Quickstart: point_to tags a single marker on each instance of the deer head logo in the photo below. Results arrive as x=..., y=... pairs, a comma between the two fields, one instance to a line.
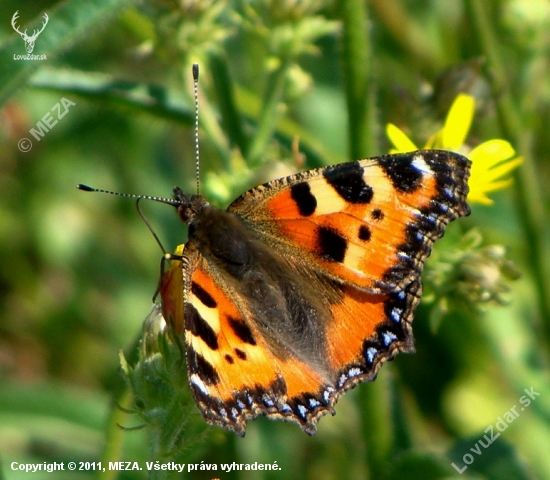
x=29, y=40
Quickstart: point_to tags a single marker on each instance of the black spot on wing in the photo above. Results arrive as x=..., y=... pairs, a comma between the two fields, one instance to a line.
x=377, y=214
x=241, y=330
x=332, y=245
x=364, y=233
x=304, y=199
x=199, y=327
x=405, y=177
x=347, y=180
x=205, y=298
x=240, y=354
x=200, y=366
x=451, y=172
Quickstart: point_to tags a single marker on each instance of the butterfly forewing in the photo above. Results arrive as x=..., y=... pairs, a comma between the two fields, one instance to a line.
x=369, y=223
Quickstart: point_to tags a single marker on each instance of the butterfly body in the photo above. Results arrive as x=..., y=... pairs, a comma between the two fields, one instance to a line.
x=306, y=285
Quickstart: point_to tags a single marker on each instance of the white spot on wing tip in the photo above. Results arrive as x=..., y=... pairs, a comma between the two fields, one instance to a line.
x=420, y=164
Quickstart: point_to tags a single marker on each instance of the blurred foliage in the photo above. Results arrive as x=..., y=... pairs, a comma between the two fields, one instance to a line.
x=284, y=85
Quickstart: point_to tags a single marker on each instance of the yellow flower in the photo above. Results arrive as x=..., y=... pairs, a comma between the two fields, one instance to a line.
x=491, y=160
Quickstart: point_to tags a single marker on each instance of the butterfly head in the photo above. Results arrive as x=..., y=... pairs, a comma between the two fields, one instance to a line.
x=189, y=206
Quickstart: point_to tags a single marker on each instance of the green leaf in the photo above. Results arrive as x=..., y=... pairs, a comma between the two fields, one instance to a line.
x=147, y=98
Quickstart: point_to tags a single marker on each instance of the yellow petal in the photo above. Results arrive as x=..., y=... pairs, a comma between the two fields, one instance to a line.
x=434, y=142
x=492, y=152
x=400, y=141
x=478, y=192
x=498, y=171
x=494, y=186
x=458, y=122
x=479, y=197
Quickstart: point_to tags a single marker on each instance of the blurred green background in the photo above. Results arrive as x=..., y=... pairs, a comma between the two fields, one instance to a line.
x=78, y=271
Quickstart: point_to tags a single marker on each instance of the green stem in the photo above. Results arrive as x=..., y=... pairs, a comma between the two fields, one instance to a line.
x=114, y=434
x=122, y=397
x=375, y=407
x=377, y=424
x=231, y=119
x=409, y=33
x=357, y=67
x=269, y=114
x=528, y=188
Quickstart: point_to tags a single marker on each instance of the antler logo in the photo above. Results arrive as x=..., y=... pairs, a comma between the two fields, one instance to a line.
x=29, y=40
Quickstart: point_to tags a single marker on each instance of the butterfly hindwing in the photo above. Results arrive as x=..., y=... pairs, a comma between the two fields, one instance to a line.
x=234, y=372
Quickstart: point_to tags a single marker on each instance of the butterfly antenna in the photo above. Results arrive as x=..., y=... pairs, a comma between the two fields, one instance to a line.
x=168, y=201
x=196, y=94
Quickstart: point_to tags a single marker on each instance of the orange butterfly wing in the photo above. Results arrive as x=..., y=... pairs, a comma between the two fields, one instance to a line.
x=316, y=288
x=370, y=223
x=233, y=373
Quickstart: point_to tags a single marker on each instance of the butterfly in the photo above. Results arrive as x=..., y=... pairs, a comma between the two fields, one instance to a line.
x=307, y=284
